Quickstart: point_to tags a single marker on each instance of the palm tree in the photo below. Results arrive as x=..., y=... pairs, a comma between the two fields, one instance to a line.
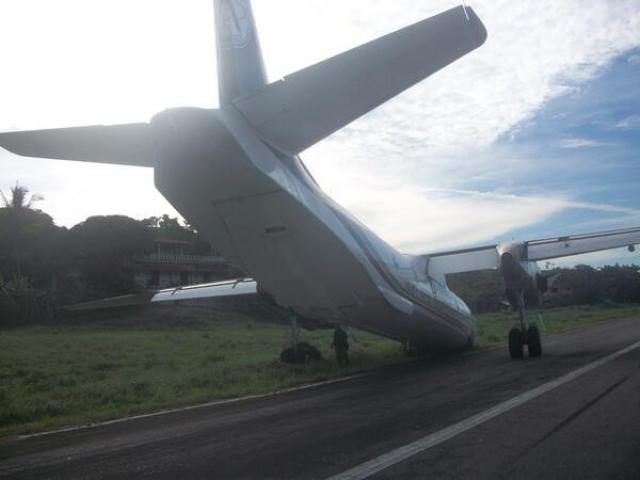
x=18, y=219
x=18, y=199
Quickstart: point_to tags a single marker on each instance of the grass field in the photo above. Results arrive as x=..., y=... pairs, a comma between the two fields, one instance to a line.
x=70, y=374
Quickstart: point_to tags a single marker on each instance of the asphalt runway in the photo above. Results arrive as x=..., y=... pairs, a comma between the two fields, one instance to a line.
x=585, y=427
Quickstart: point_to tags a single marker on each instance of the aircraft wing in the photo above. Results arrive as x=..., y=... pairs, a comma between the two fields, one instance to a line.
x=309, y=105
x=128, y=144
x=487, y=257
x=548, y=248
x=227, y=288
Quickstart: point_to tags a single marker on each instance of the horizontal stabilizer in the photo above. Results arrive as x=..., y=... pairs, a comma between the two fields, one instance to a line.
x=128, y=144
x=227, y=288
x=307, y=106
x=458, y=261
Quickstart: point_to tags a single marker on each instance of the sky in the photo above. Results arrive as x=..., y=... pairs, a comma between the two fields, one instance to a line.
x=535, y=134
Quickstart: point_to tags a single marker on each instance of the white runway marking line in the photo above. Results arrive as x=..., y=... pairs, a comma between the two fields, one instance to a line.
x=365, y=470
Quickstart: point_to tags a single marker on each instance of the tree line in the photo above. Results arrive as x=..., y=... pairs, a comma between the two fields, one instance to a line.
x=483, y=291
x=43, y=266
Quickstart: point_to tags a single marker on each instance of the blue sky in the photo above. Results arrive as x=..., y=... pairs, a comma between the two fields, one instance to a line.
x=595, y=128
x=534, y=134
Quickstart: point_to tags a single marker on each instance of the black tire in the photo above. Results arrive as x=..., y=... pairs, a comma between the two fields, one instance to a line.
x=516, y=344
x=534, y=341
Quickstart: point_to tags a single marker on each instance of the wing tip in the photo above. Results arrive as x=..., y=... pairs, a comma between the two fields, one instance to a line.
x=479, y=28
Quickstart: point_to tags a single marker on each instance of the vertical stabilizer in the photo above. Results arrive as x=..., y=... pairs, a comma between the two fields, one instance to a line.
x=240, y=66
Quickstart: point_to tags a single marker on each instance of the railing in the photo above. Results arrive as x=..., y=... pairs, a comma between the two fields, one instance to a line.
x=167, y=258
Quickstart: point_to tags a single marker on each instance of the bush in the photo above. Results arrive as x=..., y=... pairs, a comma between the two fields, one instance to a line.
x=21, y=304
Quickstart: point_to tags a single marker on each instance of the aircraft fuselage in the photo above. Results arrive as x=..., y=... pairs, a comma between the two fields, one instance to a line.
x=266, y=214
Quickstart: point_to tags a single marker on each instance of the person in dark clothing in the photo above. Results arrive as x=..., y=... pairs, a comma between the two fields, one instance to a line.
x=341, y=346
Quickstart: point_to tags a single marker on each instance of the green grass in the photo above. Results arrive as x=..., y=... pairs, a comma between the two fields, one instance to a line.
x=493, y=328
x=52, y=377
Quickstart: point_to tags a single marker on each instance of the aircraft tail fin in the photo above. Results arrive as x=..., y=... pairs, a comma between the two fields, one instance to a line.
x=307, y=106
x=240, y=67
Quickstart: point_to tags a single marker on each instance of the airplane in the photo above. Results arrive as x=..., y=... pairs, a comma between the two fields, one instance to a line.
x=235, y=174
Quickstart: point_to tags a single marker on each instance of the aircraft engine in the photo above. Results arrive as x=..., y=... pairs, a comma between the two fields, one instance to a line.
x=513, y=266
x=522, y=276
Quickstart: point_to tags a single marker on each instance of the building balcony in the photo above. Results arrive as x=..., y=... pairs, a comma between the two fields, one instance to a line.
x=178, y=259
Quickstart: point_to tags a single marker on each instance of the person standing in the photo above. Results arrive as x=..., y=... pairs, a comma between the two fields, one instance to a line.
x=341, y=345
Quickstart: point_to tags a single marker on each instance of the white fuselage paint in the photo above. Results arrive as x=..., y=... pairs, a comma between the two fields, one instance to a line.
x=265, y=213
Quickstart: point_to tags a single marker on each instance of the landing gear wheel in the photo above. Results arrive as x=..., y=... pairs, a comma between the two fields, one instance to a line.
x=516, y=343
x=534, y=341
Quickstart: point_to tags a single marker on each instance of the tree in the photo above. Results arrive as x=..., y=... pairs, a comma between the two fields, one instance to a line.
x=103, y=247
x=171, y=228
x=18, y=199
x=29, y=240
x=622, y=283
x=482, y=290
x=30, y=258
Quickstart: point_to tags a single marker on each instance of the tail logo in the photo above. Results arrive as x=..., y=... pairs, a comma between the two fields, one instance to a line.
x=236, y=24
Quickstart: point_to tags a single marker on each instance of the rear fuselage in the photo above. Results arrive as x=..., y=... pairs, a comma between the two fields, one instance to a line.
x=265, y=213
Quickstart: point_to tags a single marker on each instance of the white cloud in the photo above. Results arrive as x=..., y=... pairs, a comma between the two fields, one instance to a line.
x=422, y=221
x=576, y=142
x=603, y=207
x=428, y=220
x=631, y=122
